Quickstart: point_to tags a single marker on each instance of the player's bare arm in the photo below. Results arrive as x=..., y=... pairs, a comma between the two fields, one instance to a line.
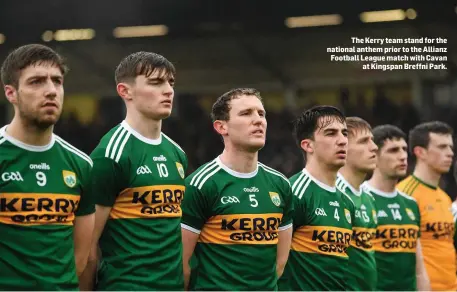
x=285, y=239
x=189, y=240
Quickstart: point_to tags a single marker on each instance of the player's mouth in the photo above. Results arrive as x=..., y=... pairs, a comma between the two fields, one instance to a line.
x=372, y=157
x=167, y=102
x=50, y=104
x=403, y=166
x=258, y=132
x=341, y=154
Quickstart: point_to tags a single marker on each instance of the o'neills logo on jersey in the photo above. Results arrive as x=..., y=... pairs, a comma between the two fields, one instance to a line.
x=362, y=238
x=242, y=229
x=438, y=230
x=37, y=209
x=396, y=238
x=148, y=202
x=326, y=240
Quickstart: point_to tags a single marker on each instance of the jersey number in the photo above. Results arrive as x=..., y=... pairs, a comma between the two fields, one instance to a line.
x=254, y=202
x=396, y=214
x=41, y=179
x=365, y=216
x=162, y=169
x=336, y=215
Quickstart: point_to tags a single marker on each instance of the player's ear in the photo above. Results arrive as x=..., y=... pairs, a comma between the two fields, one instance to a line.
x=307, y=145
x=419, y=152
x=11, y=94
x=220, y=127
x=124, y=90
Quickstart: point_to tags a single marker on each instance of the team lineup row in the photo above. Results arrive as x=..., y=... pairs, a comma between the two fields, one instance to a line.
x=127, y=217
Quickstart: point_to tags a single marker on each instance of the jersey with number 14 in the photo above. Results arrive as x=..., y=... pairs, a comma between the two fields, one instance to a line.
x=362, y=275
x=143, y=181
x=42, y=189
x=238, y=217
x=322, y=222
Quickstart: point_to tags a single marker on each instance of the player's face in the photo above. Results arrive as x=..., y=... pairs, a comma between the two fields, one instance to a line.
x=392, y=158
x=362, y=151
x=38, y=100
x=440, y=152
x=330, y=142
x=153, y=95
x=247, y=125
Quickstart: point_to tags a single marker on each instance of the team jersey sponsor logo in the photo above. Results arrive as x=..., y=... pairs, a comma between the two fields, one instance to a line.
x=37, y=209
x=69, y=178
x=149, y=202
x=275, y=198
x=229, y=199
x=242, y=229
x=362, y=238
x=41, y=166
x=347, y=214
x=396, y=238
x=320, y=212
x=382, y=214
x=375, y=218
x=180, y=169
x=143, y=170
x=410, y=213
x=334, y=203
x=437, y=230
x=251, y=190
x=12, y=176
x=160, y=158
x=328, y=240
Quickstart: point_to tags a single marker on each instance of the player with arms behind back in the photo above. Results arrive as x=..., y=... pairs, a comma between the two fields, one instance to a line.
x=323, y=215
x=397, y=247
x=139, y=184
x=432, y=145
x=46, y=211
x=361, y=160
x=236, y=211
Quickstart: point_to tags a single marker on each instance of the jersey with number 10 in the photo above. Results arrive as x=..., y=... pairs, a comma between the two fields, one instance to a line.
x=362, y=275
x=238, y=217
x=143, y=181
x=322, y=222
x=42, y=189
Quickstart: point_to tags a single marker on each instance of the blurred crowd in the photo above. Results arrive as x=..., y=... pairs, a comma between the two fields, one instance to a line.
x=191, y=127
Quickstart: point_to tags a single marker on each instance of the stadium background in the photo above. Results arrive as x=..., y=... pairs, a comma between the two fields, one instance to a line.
x=218, y=45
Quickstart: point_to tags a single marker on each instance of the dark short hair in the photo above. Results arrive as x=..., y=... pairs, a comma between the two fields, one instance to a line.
x=307, y=123
x=28, y=55
x=420, y=134
x=142, y=63
x=355, y=124
x=221, y=108
x=383, y=133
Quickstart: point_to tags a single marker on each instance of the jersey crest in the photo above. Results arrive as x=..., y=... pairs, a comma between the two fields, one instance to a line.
x=275, y=198
x=69, y=178
x=347, y=213
x=180, y=169
x=410, y=214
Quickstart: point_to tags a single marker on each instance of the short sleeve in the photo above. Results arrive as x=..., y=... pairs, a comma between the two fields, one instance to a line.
x=418, y=213
x=86, y=202
x=106, y=181
x=196, y=207
x=288, y=212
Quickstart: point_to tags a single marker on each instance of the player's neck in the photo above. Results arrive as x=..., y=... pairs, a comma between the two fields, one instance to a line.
x=427, y=175
x=321, y=172
x=28, y=133
x=147, y=128
x=382, y=183
x=354, y=177
x=239, y=161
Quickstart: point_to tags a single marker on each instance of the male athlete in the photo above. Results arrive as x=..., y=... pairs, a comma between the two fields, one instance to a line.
x=361, y=160
x=236, y=210
x=397, y=247
x=46, y=212
x=432, y=145
x=323, y=215
x=138, y=179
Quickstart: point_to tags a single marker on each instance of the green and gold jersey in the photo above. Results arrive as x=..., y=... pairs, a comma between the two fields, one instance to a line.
x=143, y=181
x=322, y=223
x=396, y=239
x=238, y=217
x=362, y=275
x=42, y=189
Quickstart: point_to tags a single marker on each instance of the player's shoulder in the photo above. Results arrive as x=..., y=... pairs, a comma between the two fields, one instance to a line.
x=305, y=185
x=273, y=174
x=409, y=199
x=204, y=176
x=73, y=153
x=110, y=144
x=405, y=184
x=171, y=143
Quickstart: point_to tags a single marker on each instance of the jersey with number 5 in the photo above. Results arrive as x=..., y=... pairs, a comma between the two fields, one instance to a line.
x=322, y=222
x=142, y=180
x=42, y=189
x=238, y=217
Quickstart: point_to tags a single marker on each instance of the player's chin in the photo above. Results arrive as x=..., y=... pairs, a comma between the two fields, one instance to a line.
x=47, y=121
x=255, y=145
x=162, y=114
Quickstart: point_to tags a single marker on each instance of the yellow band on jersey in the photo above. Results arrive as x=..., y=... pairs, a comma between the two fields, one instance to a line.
x=396, y=238
x=326, y=240
x=362, y=238
x=38, y=209
x=162, y=201
x=242, y=229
